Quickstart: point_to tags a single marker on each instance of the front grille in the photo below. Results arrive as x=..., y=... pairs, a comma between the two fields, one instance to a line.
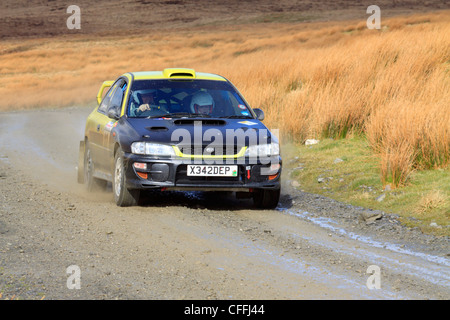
x=204, y=150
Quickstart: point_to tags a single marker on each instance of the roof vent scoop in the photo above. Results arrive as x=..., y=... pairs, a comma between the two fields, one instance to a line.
x=179, y=73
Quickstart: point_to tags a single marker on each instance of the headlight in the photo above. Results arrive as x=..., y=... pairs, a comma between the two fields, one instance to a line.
x=153, y=149
x=263, y=150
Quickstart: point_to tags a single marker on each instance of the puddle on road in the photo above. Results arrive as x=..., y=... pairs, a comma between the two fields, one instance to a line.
x=435, y=272
x=276, y=266
x=327, y=223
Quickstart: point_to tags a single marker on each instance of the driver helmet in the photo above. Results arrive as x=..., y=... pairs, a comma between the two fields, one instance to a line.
x=141, y=93
x=202, y=99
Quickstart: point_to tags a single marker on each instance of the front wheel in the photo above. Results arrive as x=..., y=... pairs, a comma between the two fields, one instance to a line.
x=123, y=196
x=266, y=198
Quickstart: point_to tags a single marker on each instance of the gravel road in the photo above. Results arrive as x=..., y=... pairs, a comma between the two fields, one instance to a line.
x=189, y=245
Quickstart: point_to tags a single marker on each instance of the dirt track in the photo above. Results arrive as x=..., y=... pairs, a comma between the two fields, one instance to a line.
x=188, y=245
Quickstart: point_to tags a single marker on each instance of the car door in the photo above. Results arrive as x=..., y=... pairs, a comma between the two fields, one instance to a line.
x=100, y=121
x=115, y=106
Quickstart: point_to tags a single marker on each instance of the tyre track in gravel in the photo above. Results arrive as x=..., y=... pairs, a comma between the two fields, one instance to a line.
x=189, y=245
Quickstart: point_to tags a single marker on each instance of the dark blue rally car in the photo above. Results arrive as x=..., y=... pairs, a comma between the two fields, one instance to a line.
x=178, y=129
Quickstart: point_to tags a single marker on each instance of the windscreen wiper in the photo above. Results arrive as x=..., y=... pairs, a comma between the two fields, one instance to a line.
x=186, y=114
x=159, y=116
x=237, y=117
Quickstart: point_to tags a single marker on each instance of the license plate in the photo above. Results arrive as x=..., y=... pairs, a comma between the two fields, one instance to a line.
x=212, y=171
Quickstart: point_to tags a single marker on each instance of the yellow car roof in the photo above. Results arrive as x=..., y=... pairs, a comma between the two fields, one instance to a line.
x=176, y=73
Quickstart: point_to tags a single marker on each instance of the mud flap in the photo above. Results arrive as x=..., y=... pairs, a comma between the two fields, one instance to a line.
x=80, y=175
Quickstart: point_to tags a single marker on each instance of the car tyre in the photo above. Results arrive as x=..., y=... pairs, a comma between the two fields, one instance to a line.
x=266, y=198
x=123, y=196
x=92, y=183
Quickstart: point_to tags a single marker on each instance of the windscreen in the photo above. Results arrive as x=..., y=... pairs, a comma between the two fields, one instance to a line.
x=193, y=98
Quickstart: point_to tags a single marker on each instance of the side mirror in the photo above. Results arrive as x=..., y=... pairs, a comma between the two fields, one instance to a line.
x=259, y=114
x=113, y=113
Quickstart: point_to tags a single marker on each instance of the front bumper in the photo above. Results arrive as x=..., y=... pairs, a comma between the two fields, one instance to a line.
x=171, y=174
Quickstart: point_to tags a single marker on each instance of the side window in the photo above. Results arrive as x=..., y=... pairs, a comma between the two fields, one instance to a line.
x=114, y=96
x=107, y=99
x=117, y=96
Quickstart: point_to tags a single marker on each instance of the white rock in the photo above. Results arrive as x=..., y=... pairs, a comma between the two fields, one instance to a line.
x=309, y=142
x=433, y=224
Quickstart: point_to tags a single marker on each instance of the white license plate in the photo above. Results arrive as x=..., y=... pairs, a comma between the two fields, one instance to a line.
x=212, y=171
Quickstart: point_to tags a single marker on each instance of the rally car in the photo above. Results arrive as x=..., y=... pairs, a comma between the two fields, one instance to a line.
x=178, y=129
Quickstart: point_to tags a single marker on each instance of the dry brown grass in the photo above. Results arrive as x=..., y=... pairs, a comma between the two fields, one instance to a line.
x=430, y=201
x=315, y=79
